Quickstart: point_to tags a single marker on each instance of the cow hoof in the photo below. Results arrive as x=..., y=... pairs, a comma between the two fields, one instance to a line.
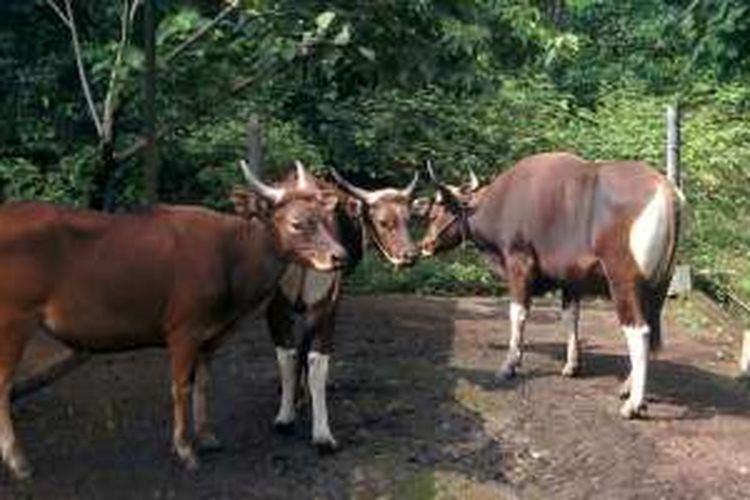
x=624, y=391
x=21, y=470
x=208, y=442
x=570, y=371
x=284, y=428
x=629, y=411
x=187, y=457
x=507, y=372
x=326, y=447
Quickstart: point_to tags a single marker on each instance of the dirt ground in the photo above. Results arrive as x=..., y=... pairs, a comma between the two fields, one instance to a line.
x=418, y=413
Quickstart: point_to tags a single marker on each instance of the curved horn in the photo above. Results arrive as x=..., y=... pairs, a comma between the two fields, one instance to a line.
x=408, y=190
x=445, y=193
x=264, y=190
x=473, y=180
x=428, y=163
x=353, y=190
x=302, y=180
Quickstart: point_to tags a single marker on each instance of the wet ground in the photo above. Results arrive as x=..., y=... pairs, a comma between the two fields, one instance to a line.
x=418, y=412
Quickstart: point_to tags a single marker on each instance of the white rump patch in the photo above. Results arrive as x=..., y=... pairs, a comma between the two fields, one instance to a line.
x=649, y=233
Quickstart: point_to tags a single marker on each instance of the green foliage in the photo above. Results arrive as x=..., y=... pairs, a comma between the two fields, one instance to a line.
x=22, y=180
x=375, y=88
x=458, y=273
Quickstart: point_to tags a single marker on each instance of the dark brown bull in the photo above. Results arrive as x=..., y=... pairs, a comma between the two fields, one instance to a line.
x=173, y=276
x=557, y=221
x=384, y=215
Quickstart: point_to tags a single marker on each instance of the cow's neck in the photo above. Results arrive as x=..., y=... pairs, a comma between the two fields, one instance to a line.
x=477, y=231
x=258, y=264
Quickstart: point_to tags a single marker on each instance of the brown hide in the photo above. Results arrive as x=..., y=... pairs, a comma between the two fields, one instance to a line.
x=102, y=281
x=555, y=220
x=570, y=214
x=174, y=276
x=566, y=214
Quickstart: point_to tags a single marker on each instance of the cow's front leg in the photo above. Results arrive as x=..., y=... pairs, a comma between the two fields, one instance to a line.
x=317, y=379
x=518, y=314
x=520, y=275
x=183, y=355
x=280, y=317
x=570, y=318
x=318, y=335
x=287, y=361
x=207, y=440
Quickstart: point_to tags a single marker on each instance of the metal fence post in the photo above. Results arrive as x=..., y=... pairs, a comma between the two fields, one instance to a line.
x=681, y=280
x=254, y=144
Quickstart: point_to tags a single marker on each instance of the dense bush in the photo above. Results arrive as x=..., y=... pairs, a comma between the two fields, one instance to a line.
x=375, y=88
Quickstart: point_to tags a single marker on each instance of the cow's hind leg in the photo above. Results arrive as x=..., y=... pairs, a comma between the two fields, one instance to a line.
x=280, y=318
x=652, y=303
x=571, y=308
x=628, y=302
x=183, y=353
x=205, y=436
x=520, y=268
x=14, y=335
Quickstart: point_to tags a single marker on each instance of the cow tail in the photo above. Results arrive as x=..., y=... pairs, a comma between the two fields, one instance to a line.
x=660, y=286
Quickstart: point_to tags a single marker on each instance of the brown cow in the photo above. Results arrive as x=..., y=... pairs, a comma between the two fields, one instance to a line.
x=384, y=215
x=173, y=276
x=557, y=221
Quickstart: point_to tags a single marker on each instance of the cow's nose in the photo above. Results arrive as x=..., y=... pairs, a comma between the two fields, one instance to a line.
x=411, y=255
x=339, y=259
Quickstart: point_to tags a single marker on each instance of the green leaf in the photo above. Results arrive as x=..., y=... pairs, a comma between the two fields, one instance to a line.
x=324, y=20
x=343, y=37
x=367, y=53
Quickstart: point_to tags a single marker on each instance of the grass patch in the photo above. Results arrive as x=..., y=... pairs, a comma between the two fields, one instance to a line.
x=455, y=273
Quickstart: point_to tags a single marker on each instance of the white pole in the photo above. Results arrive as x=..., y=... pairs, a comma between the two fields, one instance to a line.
x=681, y=281
x=673, y=145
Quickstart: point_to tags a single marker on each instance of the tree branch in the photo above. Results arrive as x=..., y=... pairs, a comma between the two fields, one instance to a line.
x=109, y=100
x=200, y=33
x=59, y=13
x=139, y=144
x=81, y=70
x=133, y=9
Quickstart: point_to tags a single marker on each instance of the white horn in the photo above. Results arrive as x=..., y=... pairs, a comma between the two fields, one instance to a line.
x=428, y=163
x=408, y=190
x=264, y=190
x=473, y=180
x=353, y=190
x=301, y=175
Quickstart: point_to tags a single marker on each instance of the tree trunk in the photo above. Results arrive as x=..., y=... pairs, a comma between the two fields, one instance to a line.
x=102, y=190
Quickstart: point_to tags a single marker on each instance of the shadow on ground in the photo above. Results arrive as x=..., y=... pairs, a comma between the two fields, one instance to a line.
x=103, y=431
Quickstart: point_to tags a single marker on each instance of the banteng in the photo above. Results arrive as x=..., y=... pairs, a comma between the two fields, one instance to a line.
x=172, y=276
x=382, y=214
x=557, y=221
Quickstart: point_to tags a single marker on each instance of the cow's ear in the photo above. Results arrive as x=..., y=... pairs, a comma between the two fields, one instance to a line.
x=420, y=206
x=330, y=200
x=248, y=204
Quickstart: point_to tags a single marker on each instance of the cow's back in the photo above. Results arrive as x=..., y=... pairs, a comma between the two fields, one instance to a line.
x=560, y=208
x=104, y=281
